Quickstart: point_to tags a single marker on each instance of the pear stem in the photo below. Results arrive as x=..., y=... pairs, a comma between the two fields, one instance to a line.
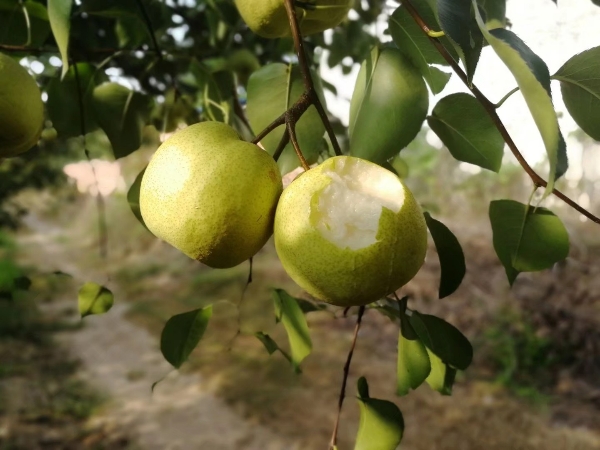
x=333, y=443
x=490, y=108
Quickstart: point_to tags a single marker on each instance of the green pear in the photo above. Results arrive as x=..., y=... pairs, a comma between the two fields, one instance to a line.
x=211, y=195
x=268, y=18
x=349, y=232
x=21, y=109
x=388, y=107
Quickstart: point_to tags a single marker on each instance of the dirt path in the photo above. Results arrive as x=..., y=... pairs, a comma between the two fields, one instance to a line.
x=123, y=360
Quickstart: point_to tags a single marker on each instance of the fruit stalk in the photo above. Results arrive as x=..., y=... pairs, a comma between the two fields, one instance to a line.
x=490, y=108
x=333, y=443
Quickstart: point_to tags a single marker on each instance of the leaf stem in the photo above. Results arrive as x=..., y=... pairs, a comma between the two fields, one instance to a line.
x=333, y=443
x=490, y=108
x=506, y=97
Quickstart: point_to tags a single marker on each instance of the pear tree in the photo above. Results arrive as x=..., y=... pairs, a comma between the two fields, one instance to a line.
x=236, y=85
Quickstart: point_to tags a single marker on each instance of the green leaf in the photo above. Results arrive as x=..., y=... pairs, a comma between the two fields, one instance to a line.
x=381, y=422
x=441, y=378
x=94, y=299
x=527, y=239
x=270, y=345
x=458, y=22
x=495, y=13
x=214, y=92
x=59, y=13
x=308, y=306
x=450, y=253
x=388, y=106
x=271, y=91
x=290, y=314
x=182, y=333
x=443, y=339
x=267, y=341
x=13, y=23
x=133, y=197
x=131, y=31
x=413, y=362
x=580, y=85
x=122, y=114
x=158, y=12
x=533, y=79
x=415, y=44
x=465, y=128
x=63, y=100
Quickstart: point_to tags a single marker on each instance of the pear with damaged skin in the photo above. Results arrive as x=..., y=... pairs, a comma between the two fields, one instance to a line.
x=21, y=109
x=349, y=232
x=211, y=195
x=268, y=18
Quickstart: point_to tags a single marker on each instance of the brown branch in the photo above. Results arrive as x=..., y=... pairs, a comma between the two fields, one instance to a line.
x=276, y=123
x=101, y=51
x=291, y=131
x=150, y=28
x=289, y=118
x=333, y=442
x=285, y=139
x=102, y=225
x=309, y=98
x=490, y=108
x=309, y=84
x=239, y=111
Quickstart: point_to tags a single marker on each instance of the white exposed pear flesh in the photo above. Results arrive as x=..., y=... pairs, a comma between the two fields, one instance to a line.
x=349, y=232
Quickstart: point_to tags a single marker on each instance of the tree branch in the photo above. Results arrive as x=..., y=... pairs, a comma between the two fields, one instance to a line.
x=102, y=226
x=490, y=108
x=333, y=443
x=309, y=98
x=306, y=74
x=148, y=22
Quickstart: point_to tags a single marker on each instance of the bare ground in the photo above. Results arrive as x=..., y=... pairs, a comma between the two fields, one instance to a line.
x=244, y=400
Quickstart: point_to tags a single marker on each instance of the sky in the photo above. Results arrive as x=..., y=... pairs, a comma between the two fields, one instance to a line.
x=555, y=33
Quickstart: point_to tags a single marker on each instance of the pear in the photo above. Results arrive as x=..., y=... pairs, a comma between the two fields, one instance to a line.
x=349, y=232
x=388, y=107
x=268, y=18
x=211, y=195
x=21, y=109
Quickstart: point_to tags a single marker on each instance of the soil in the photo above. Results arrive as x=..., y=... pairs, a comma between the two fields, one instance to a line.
x=258, y=405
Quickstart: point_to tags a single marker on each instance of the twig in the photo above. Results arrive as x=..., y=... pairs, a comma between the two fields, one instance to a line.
x=309, y=98
x=490, y=108
x=239, y=111
x=102, y=226
x=82, y=53
x=291, y=131
x=333, y=442
x=306, y=74
x=285, y=139
x=148, y=22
